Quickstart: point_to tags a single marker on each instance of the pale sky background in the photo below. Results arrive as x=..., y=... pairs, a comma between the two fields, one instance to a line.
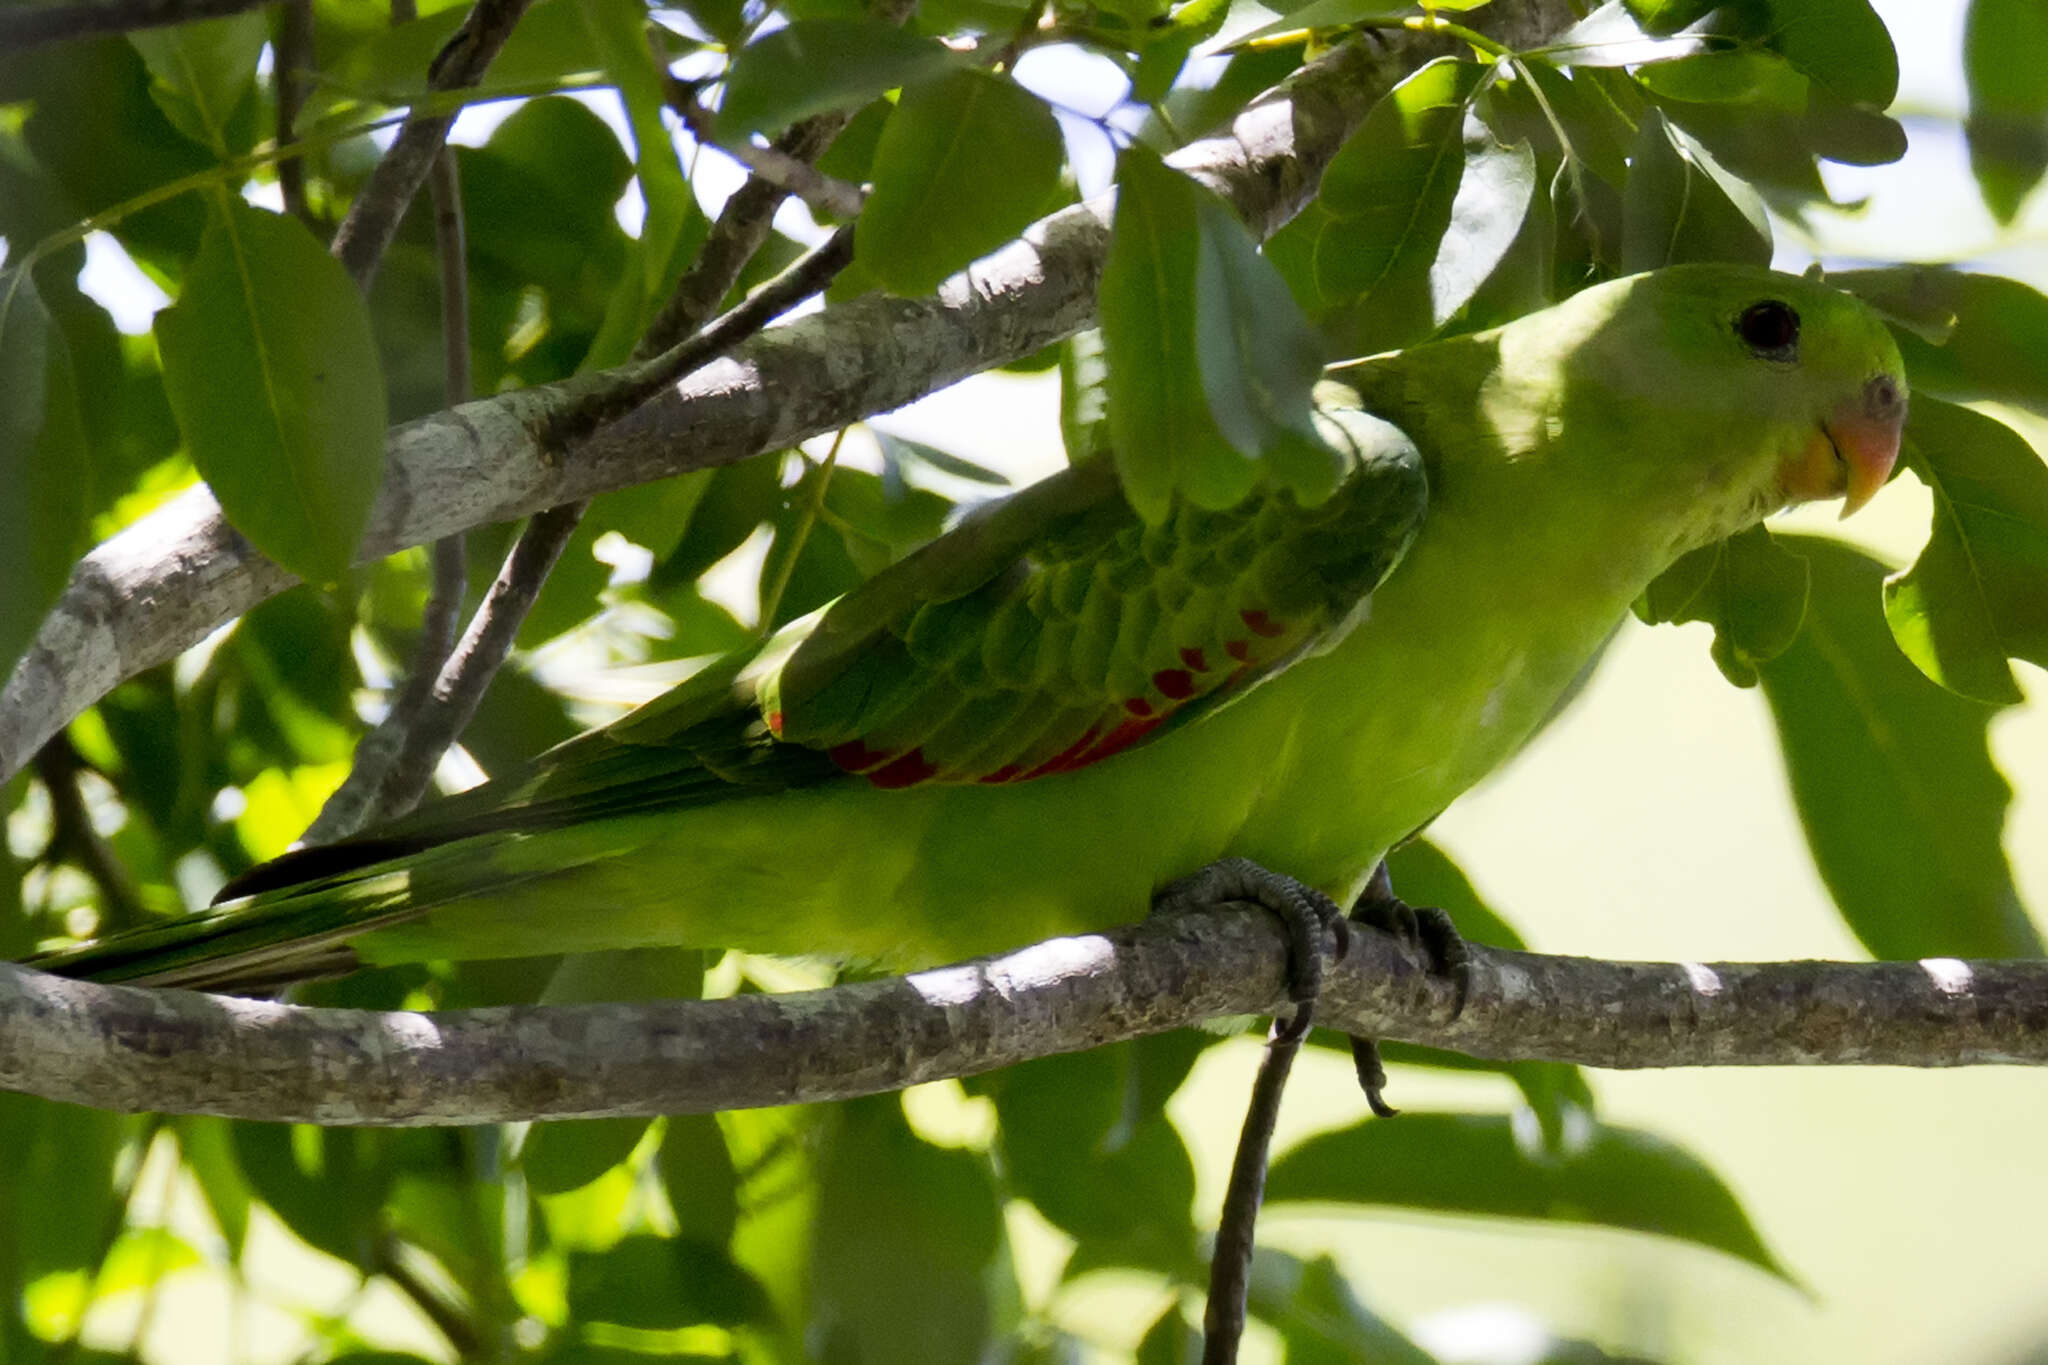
x=1652, y=822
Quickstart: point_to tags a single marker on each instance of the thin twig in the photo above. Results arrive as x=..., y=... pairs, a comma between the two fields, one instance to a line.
x=773, y=163
x=23, y=26
x=1230, y=1266
x=355, y=803
x=447, y=1316
x=74, y=839
x=290, y=60
x=373, y=218
x=460, y=685
x=742, y=228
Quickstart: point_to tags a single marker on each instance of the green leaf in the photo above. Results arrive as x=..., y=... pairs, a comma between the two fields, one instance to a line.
x=1167, y=47
x=1389, y=194
x=1610, y=36
x=1478, y=1164
x=1995, y=330
x=1680, y=206
x=907, y=1235
x=899, y=454
x=1978, y=594
x=815, y=65
x=1842, y=44
x=568, y=1154
x=1740, y=76
x=965, y=163
x=1749, y=588
x=1495, y=193
x=2008, y=122
x=1162, y=435
x=703, y=1187
x=1319, y=1317
x=1259, y=358
x=45, y=464
x=662, y=1283
x=1893, y=777
x=274, y=377
x=205, y=1150
x=202, y=70
x=619, y=28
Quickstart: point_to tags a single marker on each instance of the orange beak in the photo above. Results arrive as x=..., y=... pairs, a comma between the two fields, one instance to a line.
x=1853, y=453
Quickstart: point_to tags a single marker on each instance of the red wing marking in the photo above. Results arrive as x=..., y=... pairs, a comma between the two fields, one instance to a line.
x=1176, y=684
x=906, y=771
x=1258, y=623
x=856, y=757
x=1123, y=737
x=1009, y=772
x=1191, y=657
x=1240, y=650
x=1067, y=759
x=1138, y=706
x=775, y=724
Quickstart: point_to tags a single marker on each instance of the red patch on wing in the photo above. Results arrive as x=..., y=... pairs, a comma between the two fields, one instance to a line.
x=906, y=771
x=1138, y=706
x=775, y=724
x=1175, y=684
x=1009, y=772
x=1066, y=758
x=1258, y=623
x=1191, y=657
x=1240, y=650
x=1123, y=737
x=856, y=757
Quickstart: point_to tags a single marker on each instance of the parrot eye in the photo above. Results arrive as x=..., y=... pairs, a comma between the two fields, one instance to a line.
x=1770, y=329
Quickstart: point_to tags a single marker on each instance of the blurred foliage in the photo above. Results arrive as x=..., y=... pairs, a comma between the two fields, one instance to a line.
x=1482, y=187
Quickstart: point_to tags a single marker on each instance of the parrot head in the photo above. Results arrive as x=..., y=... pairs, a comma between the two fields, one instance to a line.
x=1727, y=392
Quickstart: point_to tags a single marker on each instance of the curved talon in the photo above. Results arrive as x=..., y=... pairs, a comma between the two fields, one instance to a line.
x=1425, y=928
x=1372, y=1075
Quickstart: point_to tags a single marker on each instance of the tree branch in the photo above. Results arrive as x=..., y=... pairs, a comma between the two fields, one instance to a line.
x=129, y=1048
x=23, y=26
x=166, y=582
x=373, y=218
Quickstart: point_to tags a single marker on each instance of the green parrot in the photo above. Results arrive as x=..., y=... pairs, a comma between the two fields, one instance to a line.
x=1032, y=724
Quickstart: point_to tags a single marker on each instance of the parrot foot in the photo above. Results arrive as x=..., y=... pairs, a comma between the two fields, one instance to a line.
x=1426, y=929
x=1306, y=913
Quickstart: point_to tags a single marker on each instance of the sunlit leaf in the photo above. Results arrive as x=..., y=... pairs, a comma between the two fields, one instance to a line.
x=1970, y=336
x=964, y=164
x=1900, y=801
x=813, y=65
x=1978, y=594
x=1389, y=194
x=2008, y=122
x=657, y=1283
x=274, y=377
x=1478, y=1164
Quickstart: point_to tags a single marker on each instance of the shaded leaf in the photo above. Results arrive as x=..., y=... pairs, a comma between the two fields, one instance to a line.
x=1750, y=589
x=703, y=1187
x=1978, y=594
x=897, y=453
x=1680, y=206
x=568, y=1154
x=906, y=1234
x=1996, y=331
x=963, y=165
x=1389, y=194
x=1842, y=44
x=1319, y=1317
x=45, y=464
x=661, y=1283
x=814, y=65
x=1893, y=777
x=273, y=374
x=2008, y=120
x=202, y=70
x=1477, y=1164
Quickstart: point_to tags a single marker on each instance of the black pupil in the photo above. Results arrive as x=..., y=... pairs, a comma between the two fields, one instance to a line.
x=1769, y=326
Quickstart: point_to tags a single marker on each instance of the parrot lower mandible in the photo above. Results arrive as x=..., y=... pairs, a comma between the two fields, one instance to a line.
x=1033, y=723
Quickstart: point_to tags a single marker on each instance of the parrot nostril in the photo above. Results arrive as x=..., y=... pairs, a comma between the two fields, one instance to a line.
x=1881, y=398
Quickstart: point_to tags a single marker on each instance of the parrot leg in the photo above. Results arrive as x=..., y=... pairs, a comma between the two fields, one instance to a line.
x=1425, y=928
x=1306, y=913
